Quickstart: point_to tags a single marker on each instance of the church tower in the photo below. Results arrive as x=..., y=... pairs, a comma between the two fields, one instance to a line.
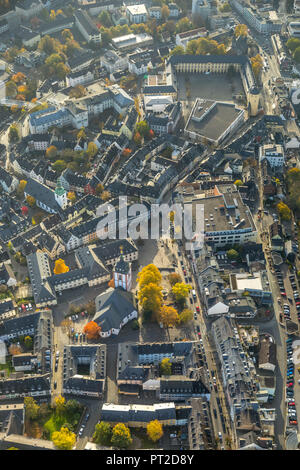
x=122, y=273
x=61, y=195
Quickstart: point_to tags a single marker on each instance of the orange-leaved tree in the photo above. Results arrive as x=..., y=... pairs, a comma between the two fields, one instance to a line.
x=92, y=330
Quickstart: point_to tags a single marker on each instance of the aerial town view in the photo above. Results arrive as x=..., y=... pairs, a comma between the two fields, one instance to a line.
x=150, y=227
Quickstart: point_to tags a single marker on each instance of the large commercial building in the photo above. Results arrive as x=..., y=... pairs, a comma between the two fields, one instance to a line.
x=213, y=120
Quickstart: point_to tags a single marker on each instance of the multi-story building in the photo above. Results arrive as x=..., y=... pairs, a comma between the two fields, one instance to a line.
x=137, y=13
x=262, y=22
x=87, y=27
x=79, y=77
x=238, y=371
x=274, y=154
x=201, y=8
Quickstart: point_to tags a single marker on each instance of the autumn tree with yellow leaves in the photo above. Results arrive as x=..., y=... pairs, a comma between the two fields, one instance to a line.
x=60, y=267
x=241, y=30
x=181, y=292
x=149, y=274
x=121, y=436
x=168, y=316
x=64, y=439
x=154, y=430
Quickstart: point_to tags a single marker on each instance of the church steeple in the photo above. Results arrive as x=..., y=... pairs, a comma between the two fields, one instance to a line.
x=61, y=194
x=122, y=272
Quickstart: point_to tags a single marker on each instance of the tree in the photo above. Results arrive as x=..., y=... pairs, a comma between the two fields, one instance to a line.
x=225, y=7
x=67, y=35
x=59, y=166
x=77, y=91
x=59, y=403
x=137, y=139
x=30, y=200
x=165, y=12
x=232, y=254
x=64, y=439
x=11, y=89
x=92, y=149
x=105, y=19
x=13, y=133
x=103, y=433
x=181, y=291
x=99, y=189
x=105, y=196
x=296, y=55
x=31, y=408
x=154, y=430
x=20, y=189
x=292, y=44
x=121, y=436
x=28, y=342
x=168, y=316
x=241, y=30
x=166, y=366
x=174, y=278
x=143, y=128
x=92, y=330
x=71, y=196
x=178, y=50
x=149, y=274
x=284, y=211
x=185, y=316
x=81, y=134
x=14, y=349
x=150, y=297
x=238, y=183
x=60, y=267
x=183, y=25
x=257, y=65
x=126, y=152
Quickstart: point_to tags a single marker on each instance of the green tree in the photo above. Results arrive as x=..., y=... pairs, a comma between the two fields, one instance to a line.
x=121, y=436
x=143, y=128
x=297, y=55
x=13, y=133
x=59, y=166
x=185, y=316
x=103, y=433
x=105, y=19
x=178, y=50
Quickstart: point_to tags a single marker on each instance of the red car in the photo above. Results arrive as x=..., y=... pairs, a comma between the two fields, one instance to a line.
x=198, y=309
x=297, y=303
x=283, y=294
x=199, y=334
x=291, y=403
x=184, y=272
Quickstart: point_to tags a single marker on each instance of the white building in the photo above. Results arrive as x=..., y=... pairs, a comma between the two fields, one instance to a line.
x=79, y=78
x=273, y=153
x=137, y=13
